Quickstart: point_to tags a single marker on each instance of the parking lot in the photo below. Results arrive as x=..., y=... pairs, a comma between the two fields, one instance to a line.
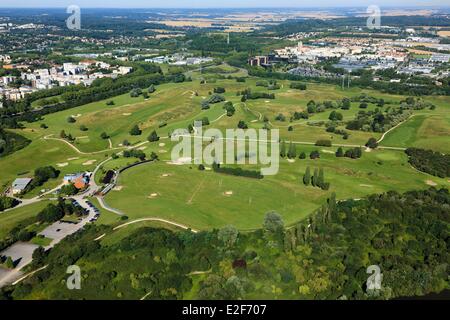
x=20, y=252
x=59, y=230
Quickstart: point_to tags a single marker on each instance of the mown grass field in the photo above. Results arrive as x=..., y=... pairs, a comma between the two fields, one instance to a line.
x=43, y=153
x=422, y=131
x=177, y=105
x=199, y=199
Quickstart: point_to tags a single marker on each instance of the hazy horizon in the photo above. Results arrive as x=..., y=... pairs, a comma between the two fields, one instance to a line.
x=228, y=4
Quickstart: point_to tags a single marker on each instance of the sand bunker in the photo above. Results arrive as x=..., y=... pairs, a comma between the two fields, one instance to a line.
x=166, y=175
x=153, y=195
x=291, y=160
x=76, y=116
x=89, y=162
x=228, y=193
x=142, y=148
x=162, y=144
x=162, y=151
x=431, y=183
x=64, y=164
x=118, y=188
x=126, y=114
x=181, y=161
x=327, y=151
x=74, y=158
x=366, y=185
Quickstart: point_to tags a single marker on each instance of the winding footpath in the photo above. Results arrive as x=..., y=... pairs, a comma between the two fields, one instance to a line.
x=179, y=225
x=49, y=137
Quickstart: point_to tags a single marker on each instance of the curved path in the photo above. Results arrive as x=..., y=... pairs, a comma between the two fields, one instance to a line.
x=182, y=226
x=260, y=116
x=105, y=206
x=397, y=125
x=49, y=137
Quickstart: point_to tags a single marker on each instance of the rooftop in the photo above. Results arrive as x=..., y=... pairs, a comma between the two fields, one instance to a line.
x=21, y=183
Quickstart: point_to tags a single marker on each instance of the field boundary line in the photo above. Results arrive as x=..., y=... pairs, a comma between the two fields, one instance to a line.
x=182, y=226
x=28, y=275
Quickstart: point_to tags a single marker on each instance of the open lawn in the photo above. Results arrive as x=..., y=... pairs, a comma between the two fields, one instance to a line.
x=205, y=199
x=43, y=153
x=175, y=106
x=422, y=131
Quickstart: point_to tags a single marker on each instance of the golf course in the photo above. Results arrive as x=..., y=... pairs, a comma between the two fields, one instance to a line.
x=205, y=199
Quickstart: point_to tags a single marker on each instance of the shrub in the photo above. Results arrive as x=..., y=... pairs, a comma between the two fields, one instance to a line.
x=323, y=143
x=135, y=131
x=242, y=125
x=314, y=154
x=372, y=143
x=299, y=86
x=135, y=93
x=215, y=98
x=153, y=136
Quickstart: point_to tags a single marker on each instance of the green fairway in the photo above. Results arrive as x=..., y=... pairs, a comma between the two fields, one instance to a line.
x=43, y=153
x=205, y=199
x=422, y=131
x=175, y=106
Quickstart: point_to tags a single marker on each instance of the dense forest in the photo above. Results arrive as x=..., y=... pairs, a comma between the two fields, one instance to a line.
x=324, y=257
x=429, y=161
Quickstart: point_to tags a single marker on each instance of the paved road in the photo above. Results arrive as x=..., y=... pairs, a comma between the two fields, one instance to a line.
x=25, y=202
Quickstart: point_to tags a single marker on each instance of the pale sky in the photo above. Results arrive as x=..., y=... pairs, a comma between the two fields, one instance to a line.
x=219, y=3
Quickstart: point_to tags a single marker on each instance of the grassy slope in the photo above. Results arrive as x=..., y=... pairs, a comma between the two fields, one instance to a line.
x=422, y=131
x=197, y=198
x=42, y=153
x=8, y=220
x=178, y=106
